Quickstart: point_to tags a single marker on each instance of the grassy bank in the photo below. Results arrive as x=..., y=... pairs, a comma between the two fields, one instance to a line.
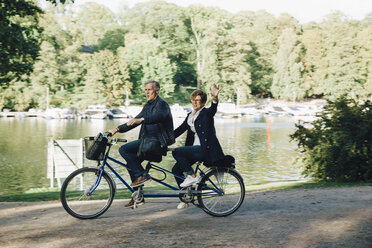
x=53, y=194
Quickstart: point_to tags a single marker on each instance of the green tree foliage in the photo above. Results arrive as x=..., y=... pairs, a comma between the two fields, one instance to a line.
x=364, y=42
x=106, y=81
x=315, y=62
x=204, y=25
x=19, y=38
x=343, y=56
x=111, y=40
x=233, y=61
x=338, y=145
x=288, y=80
x=94, y=20
x=250, y=54
x=262, y=30
x=18, y=96
x=45, y=74
x=147, y=61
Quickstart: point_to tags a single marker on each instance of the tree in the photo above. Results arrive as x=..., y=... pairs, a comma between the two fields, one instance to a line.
x=364, y=42
x=262, y=30
x=106, y=81
x=203, y=24
x=167, y=23
x=45, y=74
x=343, y=73
x=147, y=61
x=315, y=62
x=261, y=72
x=112, y=40
x=93, y=21
x=17, y=96
x=288, y=81
x=232, y=64
x=93, y=87
x=338, y=145
x=19, y=38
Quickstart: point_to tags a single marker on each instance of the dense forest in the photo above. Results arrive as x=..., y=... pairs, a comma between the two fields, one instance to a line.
x=90, y=55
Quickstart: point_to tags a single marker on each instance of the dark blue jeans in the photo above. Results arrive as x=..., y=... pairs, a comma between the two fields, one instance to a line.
x=129, y=152
x=185, y=157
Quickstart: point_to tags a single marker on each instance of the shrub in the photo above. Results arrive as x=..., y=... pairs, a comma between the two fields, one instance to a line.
x=337, y=145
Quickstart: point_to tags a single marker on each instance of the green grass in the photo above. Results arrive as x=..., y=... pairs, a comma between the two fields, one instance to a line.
x=46, y=194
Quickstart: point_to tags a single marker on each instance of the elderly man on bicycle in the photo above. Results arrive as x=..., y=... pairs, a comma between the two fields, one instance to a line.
x=157, y=126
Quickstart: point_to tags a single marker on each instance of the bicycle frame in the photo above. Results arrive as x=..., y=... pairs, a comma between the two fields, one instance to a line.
x=149, y=193
x=79, y=195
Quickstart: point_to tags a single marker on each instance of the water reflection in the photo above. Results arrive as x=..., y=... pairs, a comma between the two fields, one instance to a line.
x=261, y=156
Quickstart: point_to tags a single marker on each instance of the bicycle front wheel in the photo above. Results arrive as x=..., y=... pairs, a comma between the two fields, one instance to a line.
x=221, y=192
x=85, y=194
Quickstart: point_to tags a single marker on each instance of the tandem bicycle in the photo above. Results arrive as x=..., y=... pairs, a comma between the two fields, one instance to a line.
x=89, y=191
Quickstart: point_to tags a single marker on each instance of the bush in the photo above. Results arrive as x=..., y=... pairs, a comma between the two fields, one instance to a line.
x=337, y=146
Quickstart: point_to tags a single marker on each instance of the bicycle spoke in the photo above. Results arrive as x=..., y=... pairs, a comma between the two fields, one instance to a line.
x=222, y=192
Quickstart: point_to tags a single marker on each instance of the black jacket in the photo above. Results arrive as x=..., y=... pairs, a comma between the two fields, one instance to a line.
x=204, y=126
x=157, y=118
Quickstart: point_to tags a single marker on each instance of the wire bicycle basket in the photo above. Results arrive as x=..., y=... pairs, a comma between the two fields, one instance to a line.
x=95, y=147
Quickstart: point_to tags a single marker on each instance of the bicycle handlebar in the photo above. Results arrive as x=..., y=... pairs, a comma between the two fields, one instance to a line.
x=120, y=140
x=107, y=134
x=114, y=140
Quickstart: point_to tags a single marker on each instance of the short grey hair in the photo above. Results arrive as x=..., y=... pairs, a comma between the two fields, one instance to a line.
x=157, y=85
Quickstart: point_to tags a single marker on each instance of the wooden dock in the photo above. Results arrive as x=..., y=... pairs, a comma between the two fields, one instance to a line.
x=18, y=114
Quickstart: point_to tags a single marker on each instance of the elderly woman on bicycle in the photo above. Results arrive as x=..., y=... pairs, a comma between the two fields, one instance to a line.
x=201, y=140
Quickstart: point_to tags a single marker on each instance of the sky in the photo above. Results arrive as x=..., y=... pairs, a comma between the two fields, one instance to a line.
x=303, y=10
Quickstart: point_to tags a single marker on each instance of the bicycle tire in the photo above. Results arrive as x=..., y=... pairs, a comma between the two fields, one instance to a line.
x=222, y=192
x=78, y=203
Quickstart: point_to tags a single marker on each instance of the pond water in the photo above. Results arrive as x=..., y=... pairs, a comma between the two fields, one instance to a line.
x=261, y=156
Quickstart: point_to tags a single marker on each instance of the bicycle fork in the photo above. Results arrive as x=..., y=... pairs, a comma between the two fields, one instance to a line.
x=89, y=191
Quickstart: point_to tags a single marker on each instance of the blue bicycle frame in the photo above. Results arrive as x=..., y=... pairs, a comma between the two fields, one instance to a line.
x=148, y=167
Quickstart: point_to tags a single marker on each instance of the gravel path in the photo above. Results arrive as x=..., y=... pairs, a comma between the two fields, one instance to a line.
x=331, y=217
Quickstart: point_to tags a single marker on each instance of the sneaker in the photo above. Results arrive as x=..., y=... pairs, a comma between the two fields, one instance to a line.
x=140, y=181
x=130, y=204
x=182, y=205
x=189, y=181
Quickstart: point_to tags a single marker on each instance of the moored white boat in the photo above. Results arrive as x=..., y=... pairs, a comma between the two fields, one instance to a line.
x=118, y=113
x=228, y=110
x=98, y=112
x=56, y=113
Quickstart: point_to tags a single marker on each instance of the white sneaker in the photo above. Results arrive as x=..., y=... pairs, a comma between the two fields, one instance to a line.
x=189, y=181
x=182, y=205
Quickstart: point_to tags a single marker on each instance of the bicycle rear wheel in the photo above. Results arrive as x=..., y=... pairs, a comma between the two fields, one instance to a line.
x=80, y=199
x=221, y=192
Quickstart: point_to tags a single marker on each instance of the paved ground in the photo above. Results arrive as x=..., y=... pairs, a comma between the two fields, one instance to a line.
x=333, y=217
